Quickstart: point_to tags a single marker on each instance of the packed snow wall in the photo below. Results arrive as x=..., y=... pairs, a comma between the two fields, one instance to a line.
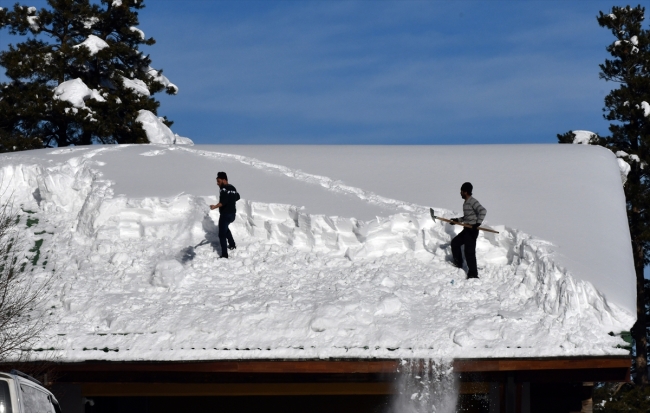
x=325, y=267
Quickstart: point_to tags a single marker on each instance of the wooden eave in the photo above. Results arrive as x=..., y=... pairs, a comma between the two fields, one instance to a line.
x=582, y=368
x=316, y=377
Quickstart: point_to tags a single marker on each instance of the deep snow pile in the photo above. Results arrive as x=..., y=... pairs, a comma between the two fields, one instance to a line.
x=136, y=274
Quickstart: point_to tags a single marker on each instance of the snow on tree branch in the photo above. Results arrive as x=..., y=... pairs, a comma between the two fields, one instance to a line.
x=76, y=93
x=93, y=43
x=646, y=108
x=138, y=31
x=89, y=53
x=584, y=137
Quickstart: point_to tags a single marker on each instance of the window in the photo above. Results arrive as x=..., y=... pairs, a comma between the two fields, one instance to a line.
x=5, y=397
x=35, y=401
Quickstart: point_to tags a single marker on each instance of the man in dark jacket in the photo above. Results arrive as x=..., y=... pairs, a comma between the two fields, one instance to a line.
x=473, y=214
x=228, y=196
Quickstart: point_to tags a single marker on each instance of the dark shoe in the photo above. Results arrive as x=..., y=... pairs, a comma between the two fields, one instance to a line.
x=224, y=256
x=232, y=247
x=472, y=276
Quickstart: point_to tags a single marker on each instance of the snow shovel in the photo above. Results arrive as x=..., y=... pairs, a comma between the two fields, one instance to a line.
x=433, y=215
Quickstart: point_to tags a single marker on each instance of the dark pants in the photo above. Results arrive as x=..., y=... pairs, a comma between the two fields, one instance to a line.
x=467, y=237
x=225, y=234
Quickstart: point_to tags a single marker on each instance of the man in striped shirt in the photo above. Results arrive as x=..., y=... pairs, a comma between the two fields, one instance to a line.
x=473, y=214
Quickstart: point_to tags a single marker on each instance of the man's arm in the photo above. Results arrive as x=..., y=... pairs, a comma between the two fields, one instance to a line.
x=480, y=212
x=219, y=204
x=226, y=197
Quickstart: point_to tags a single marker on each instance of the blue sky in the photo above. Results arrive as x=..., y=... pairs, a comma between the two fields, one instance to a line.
x=378, y=72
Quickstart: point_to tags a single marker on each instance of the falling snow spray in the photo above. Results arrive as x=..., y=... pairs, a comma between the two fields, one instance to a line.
x=425, y=386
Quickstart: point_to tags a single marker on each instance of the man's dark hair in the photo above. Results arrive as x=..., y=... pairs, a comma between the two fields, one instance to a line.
x=467, y=187
x=222, y=175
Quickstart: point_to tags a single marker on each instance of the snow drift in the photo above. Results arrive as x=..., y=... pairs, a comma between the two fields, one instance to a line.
x=337, y=270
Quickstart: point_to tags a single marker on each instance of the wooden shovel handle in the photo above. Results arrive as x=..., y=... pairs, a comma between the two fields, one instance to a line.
x=461, y=224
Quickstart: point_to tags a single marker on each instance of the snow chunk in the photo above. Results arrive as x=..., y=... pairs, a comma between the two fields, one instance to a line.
x=634, y=40
x=33, y=20
x=76, y=93
x=635, y=158
x=93, y=43
x=167, y=273
x=33, y=23
x=621, y=154
x=612, y=16
x=583, y=137
x=136, y=30
x=89, y=23
x=181, y=140
x=646, y=108
x=160, y=78
x=94, y=94
x=117, y=3
x=389, y=306
x=137, y=85
x=157, y=132
x=625, y=169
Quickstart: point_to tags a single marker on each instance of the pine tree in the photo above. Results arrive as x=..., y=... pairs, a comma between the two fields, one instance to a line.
x=621, y=397
x=628, y=110
x=78, y=78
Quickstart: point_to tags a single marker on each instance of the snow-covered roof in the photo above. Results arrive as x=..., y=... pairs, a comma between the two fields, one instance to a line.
x=337, y=255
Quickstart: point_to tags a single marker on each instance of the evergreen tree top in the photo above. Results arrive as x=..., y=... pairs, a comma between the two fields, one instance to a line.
x=84, y=46
x=68, y=36
x=631, y=47
x=628, y=110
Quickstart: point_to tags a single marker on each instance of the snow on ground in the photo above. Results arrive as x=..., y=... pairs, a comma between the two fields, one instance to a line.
x=324, y=267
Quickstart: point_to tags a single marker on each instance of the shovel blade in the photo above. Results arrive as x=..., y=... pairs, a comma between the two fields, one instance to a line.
x=433, y=214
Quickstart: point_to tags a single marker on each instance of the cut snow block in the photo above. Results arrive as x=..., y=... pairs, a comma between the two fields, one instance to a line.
x=130, y=230
x=121, y=259
x=167, y=274
x=328, y=317
x=389, y=306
